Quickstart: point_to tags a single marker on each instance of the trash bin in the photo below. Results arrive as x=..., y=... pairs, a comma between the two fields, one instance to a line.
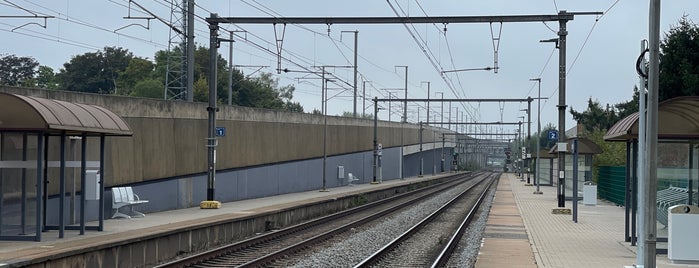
x=682, y=234
x=589, y=193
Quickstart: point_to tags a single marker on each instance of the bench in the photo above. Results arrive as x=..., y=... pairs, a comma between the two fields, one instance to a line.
x=125, y=197
x=351, y=178
x=669, y=197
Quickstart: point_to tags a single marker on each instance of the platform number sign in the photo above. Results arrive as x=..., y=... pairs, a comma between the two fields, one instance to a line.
x=552, y=135
x=220, y=131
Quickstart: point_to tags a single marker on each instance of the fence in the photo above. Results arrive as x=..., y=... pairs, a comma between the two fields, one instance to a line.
x=611, y=183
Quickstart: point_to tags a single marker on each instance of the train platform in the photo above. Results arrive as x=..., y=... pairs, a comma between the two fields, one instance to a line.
x=554, y=240
x=119, y=231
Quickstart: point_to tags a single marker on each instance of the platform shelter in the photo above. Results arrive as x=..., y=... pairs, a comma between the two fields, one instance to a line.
x=678, y=137
x=34, y=136
x=586, y=148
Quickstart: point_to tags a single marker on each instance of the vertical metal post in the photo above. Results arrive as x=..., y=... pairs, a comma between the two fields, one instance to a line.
x=529, y=137
x=562, y=33
x=230, y=70
x=363, y=97
x=627, y=193
x=575, y=180
x=651, y=156
x=450, y=116
x=634, y=193
x=441, y=111
x=376, y=142
x=45, y=181
x=62, y=188
x=83, y=179
x=24, y=186
x=101, y=183
x=190, y=50
x=355, y=73
x=421, y=158
x=434, y=155
x=39, y=184
x=405, y=101
x=641, y=164
x=325, y=126
x=537, y=174
x=442, y=159
x=428, y=103
x=211, y=140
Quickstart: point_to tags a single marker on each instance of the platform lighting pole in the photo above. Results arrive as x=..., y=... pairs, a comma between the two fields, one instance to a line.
x=538, y=139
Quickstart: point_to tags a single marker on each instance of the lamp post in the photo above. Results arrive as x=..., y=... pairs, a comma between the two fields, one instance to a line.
x=538, y=139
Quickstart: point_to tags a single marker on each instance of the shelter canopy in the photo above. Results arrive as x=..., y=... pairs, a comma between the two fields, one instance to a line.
x=678, y=119
x=30, y=114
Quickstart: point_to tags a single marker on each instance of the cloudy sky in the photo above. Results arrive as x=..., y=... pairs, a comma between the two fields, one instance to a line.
x=601, y=49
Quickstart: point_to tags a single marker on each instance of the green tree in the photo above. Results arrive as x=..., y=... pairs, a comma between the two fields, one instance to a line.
x=596, y=117
x=679, y=61
x=138, y=70
x=46, y=78
x=149, y=88
x=15, y=71
x=95, y=72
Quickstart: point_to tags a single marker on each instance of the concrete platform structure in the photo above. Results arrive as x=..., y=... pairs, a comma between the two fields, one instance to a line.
x=597, y=240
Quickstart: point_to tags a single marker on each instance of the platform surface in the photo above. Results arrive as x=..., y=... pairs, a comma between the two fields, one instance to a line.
x=554, y=240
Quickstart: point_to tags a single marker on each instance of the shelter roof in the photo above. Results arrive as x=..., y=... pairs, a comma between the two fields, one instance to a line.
x=585, y=146
x=678, y=118
x=24, y=113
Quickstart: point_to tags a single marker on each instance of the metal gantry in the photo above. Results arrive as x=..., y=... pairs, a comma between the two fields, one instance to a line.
x=562, y=17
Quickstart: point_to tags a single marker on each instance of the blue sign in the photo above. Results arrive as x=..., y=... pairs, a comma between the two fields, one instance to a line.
x=220, y=131
x=552, y=134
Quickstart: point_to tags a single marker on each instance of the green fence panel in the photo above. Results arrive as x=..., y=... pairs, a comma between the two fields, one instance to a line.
x=612, y=180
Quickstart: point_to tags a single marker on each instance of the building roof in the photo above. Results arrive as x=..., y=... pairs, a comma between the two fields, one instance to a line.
x=23, y=113
x=678, y=118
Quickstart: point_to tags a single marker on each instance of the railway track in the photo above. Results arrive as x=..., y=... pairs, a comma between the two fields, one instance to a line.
x=431, y=242
x=271, y=248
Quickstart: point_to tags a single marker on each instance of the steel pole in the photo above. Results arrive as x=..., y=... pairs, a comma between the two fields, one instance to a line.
x=325, y=126
x=537, y=175
x=641, y=165
x=562, y=33
x=529, y=137
x=211, y=145
x=652, y=134
x=230, y=70
x=356, y=33
x=376, y=142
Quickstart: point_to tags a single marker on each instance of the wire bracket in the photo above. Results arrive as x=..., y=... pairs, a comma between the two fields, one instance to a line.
x=496, y=45
x=279, y=42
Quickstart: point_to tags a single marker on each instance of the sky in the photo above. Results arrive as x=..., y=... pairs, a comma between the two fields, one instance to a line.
x=601, y=50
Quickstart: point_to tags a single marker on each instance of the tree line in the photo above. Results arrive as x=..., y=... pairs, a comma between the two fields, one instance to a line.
x=115, y=70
